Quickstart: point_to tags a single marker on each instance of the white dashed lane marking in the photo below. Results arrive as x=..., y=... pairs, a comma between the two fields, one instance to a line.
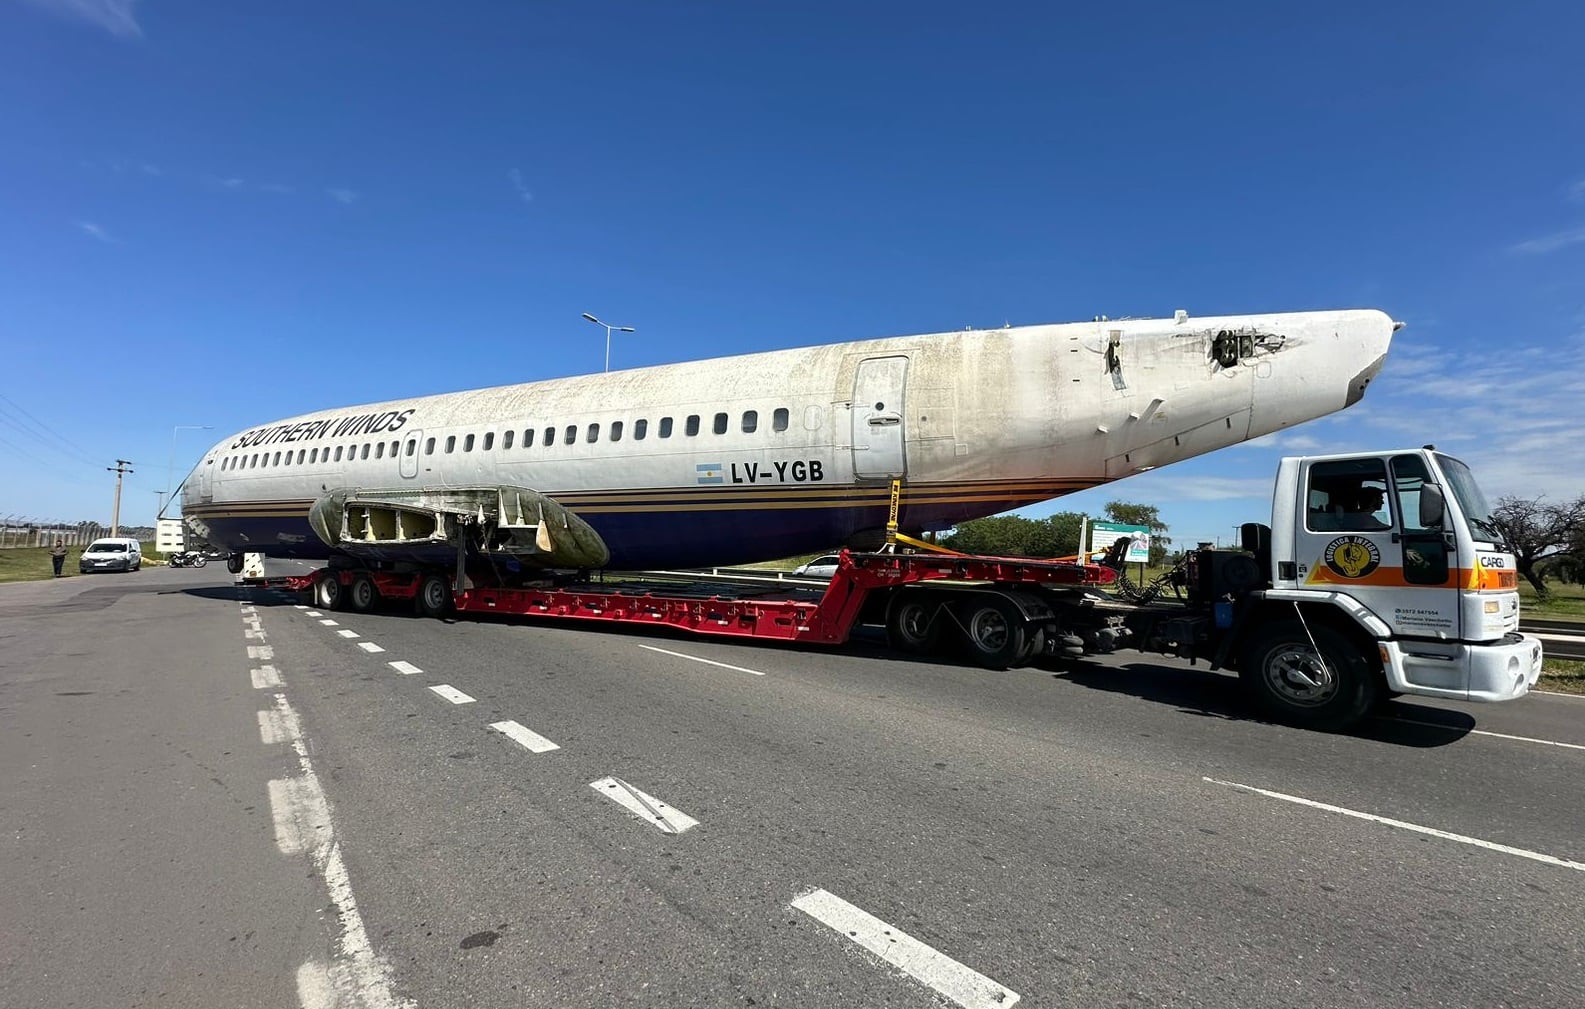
x=312, y=613
x=405, y=668
x=1405, y=825
x=347, y=634
x=265, y=677
x=451, y=693
x=261, y=653
x=708, y=662
x=525, y=736
x=329, y=623
x=645, y=806
x=963, y=985
x=370, y=647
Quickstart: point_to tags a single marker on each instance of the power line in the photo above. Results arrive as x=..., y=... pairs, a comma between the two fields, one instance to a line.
x=41, y=429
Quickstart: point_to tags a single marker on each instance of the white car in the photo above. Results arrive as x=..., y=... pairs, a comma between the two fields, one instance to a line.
x=824, y=566
x=115, y=554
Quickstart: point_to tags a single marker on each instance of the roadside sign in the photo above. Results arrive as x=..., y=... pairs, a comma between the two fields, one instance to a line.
x=1104, y=534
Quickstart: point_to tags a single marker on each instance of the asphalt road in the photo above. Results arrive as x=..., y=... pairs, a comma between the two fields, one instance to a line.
x=869, y=830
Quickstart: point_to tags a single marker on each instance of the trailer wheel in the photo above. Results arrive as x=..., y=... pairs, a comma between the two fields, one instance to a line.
x=911, y=624
x=234, y=563
x=362, y=596
x=434, y=596
x=327, y=592
x=995, y=632
x=1326, y=686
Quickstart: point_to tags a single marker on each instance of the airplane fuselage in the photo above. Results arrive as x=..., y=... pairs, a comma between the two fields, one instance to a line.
x=767, y=455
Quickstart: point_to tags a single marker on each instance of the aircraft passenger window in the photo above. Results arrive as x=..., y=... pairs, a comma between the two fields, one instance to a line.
x=640, y=429
x=338, y=453
x=616, y=430
x=365, y=450
x=528, y=437
x=750, y=421
x=571, y=436
x=720, y=423
x=692, y=427
x=451, y=443
x=277, y=461
x=594, y=433
x=506, y=440
x=778, y=420
x=379, y=450
x=467, y=443
x=302, y=454
x=429, y=446
x=550, y=437
x=412, y=446
x=665, y=427
x=394, y=445
x=313, y=455
x=489, y=441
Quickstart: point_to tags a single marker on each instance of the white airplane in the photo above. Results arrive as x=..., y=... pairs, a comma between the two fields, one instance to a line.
x=740, y=459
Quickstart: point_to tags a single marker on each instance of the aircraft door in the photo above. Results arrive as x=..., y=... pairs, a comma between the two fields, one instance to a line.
x=878, y=412
x=206, y=481
x=409, y=461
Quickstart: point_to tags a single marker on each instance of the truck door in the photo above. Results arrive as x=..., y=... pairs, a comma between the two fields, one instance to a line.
x=1355, y=539
x=409, y=463
x=878, y=428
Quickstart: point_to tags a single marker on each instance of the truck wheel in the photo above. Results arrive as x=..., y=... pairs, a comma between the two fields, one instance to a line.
x=1329, y=689
x=362, y=596
x=911, y=624
x=996, y=634
x=327, y=592
x=434, y=596
x=234, y=563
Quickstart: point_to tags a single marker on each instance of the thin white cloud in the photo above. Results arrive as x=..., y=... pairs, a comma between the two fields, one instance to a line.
x=518, y=184
x=277, y=188
x=1550, y=243
x=95, y=231
x=114, y=16
x=153, y=170
x=341, y=195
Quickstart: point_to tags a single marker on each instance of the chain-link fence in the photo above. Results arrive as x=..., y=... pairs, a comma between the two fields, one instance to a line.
x=20, y=531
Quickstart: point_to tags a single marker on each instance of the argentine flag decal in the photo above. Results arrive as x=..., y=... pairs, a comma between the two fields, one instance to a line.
x=709, y=472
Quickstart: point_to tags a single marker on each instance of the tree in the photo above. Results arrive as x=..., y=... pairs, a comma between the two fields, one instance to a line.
x=1149, y=516
x=1538, y=533
x=1015, y=536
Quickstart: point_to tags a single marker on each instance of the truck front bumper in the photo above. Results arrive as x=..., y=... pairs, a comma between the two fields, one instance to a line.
x=1495, y=671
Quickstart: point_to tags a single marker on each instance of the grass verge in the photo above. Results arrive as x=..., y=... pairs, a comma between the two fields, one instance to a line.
x=1566, y=676
x=32, y=564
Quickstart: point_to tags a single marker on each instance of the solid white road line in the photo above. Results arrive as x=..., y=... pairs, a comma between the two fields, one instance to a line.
x=1403, y=825
x=405, y=668
x=329, y=623
x=963, y=985
x=708, y=662
x=451, y=693
x=356, y=977
x=370, y=647
x=524, y=735
x=265, y=677
x=646, y=807
x=263, y=653
x=347, y=634
x=1559, y=693
x=1484, y=732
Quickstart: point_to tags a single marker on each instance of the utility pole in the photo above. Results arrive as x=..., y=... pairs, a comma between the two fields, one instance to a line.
x=120, y=469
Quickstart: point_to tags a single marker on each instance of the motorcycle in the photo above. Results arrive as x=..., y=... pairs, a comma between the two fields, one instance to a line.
x=187, y=559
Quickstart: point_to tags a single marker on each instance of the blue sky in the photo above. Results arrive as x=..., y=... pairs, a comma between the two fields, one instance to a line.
x=219, y=214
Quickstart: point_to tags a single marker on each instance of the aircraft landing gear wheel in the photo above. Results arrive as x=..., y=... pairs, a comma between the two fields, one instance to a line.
x=996, y=633
x=911, y=624
x=234, y=563
x=328, y=594
x=362, y=596
x=434, y=596
x=1326, y=686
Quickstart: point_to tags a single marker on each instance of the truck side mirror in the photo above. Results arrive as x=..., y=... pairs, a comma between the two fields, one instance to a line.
x=1433, y=507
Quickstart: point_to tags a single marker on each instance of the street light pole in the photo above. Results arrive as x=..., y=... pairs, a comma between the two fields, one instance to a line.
x=170, y=460
x=608, y=330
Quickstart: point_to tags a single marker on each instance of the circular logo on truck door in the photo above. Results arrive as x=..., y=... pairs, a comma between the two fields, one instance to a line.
x=1352, y=556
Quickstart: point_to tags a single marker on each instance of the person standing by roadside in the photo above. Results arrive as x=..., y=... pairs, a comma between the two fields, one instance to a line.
x=58, y=555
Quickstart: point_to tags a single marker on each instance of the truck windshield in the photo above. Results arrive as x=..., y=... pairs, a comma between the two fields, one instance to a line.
x=1468, y=494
